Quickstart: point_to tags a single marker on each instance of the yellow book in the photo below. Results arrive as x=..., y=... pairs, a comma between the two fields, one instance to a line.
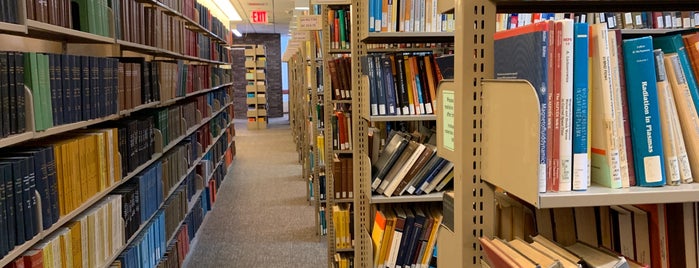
x=672, y=168
x=413, y=104
x=69, y=186
x=619, y=114
x=432, y=240
x=377, y=233
x=76, y=245
x=67, y=248
x=56, y=251
x=60, y=179
x=115, y=160
x=97, y=152
x=91, y=239
x=387, y=236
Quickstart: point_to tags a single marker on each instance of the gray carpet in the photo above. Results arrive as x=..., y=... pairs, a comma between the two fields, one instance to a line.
x=261, y=217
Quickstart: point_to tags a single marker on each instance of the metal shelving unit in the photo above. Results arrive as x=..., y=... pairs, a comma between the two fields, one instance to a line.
x=474, y=211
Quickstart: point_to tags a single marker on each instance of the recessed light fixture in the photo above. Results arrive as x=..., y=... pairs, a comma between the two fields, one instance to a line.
x=237, y=33
x=228, y=9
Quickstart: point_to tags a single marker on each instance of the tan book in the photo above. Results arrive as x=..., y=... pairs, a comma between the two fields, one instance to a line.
x=672, y=168
x=620, y=137
x=564, y=222
x=495, y=255
x=555, y=247
x=605, y=164
x=565, y=263
x=624, y=220
x=535, y=255
x=595, y=257
x=520, y=259
x=686, y=113
x=641, y=234
x=586, y=224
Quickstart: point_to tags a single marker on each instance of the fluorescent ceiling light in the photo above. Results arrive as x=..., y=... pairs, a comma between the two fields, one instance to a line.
x=237, y=33
x=301, y=8
x=227, y=7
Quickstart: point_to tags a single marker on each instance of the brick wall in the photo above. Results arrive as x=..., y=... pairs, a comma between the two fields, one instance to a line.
x=274, y=73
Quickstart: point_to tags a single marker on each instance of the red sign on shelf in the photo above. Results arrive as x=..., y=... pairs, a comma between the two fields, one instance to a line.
x=258, y=16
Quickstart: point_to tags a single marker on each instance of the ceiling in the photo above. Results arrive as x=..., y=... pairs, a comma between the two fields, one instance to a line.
x=279, y=13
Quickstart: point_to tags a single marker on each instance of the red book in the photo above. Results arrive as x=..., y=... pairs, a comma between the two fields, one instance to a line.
x=658, y=234
x=33, y=259
x=555, y=108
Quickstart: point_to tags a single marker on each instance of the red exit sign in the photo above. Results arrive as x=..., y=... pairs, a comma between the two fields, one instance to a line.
x=258, y=16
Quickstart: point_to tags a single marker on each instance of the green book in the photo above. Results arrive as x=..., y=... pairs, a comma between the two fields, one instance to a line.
x=343, y=28
x=31, y=80
x=83, y=11
x=45, y=88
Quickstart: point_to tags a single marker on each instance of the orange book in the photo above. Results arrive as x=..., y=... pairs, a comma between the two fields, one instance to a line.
x=431, y=80
x=33, y=259
x=691, y=43
x=409, y=86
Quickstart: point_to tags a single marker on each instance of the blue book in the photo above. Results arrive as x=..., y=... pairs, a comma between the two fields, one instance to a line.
x=644, y=116
x=675, y=44
x=522, y=53
x=367, y=66
x=372, y=4
x=378, y=81
x=421, y=100
x=430, y=176
x=389, y=85
x=581, y=53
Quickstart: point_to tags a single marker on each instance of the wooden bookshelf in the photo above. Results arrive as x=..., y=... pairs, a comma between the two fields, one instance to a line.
x=52, y=32
x=13, y=28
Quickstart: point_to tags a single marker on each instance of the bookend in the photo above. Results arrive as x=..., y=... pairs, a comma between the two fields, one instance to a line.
x=510, y=141
x=158, y=137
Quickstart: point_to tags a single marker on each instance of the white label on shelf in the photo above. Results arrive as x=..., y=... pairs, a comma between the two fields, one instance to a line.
x=310, y=23
x=448, y=102
x=652, y=168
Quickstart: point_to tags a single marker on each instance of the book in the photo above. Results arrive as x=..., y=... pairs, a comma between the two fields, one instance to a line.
x=643, y=103
x=581, y=172
x=391, y=152
x=531, y=66
x=686, y=114
x=668, y=130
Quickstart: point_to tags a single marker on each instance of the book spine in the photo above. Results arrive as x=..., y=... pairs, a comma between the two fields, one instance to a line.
x=581, y=173
x=566, y=136
x=643, y=111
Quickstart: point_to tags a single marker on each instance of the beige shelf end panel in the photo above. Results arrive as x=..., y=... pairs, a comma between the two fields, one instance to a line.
x=510, y=155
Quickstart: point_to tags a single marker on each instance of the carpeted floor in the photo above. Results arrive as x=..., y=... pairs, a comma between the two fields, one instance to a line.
x=261, y=217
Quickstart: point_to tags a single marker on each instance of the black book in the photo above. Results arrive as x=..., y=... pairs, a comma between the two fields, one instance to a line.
x=66, y=89
x=12, y=12
x=9, y=206
x=75, y=63
x=37, y=163
x=115, y=86
x=11, y=82
x=4, y=95
x=56, y=85
x=123, y=150
x=414, y=239
x=4, y=245
x=19, y=91
x=132, y=132
x=103, y=89
x=408, y=230
x=95, y=94
x=50, y=160
x=390, y=153
x=85, y=88
x=402, y=90
x=424, y=84
x=17, y=183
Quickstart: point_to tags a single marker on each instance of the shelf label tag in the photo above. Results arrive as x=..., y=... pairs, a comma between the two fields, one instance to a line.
x=448, y=102
x=310, y=23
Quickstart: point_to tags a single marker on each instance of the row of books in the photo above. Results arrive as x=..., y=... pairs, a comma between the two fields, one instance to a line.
x=642, y=111
x=202, y=15
x=341, y=127
x=614, y=20
x=402, y=84
x=71, y=14
x=408, y=16
x=404, y=236
x=541, y=252
x=340, y=77
x=137, y=23
x=343, y=260
x=176, y=251
x=342, y=176
x=9, y=12
x=84, y=242
x=343, y=218
x=340, y=28
x=320, y=144
x=407, y=166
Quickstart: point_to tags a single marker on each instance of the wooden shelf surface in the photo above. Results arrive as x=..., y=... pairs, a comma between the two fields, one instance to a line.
x=13, y=28
x=53, y=32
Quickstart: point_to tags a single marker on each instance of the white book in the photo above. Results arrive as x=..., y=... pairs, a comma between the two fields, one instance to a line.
x=391, y=187
x=619, y=112
x=566, y=107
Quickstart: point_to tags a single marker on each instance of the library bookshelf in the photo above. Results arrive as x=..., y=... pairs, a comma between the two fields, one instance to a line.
x=209, y=125
x=476, y=98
